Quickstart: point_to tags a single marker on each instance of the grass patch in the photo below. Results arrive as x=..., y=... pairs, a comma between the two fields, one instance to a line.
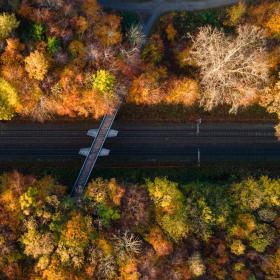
x=215, y=174
x=181, y=113
x=66, y=172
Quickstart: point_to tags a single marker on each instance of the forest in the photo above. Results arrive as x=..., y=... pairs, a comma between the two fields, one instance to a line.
x=63, y=58
x=226, y=57
x=160, y=229
x=72, y=59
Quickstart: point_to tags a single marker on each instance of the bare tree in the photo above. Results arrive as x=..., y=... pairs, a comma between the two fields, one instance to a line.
x=136, y=36
x=127, y=244
x=232, y=68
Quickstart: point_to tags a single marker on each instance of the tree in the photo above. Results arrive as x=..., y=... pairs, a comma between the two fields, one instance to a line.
x=37, y=244
x=6, y=112
x=36, y=65
x=108, y=30
x=273, y=25
x=136, y=208
x=76, y=48
x=106, y=196
x=12, y=186
x=33, y=231
x=9, y=100
x=170, y=207
x=82, y=24
x=244, y=226
x=237, y=247
x=91, y=8
x=103, y=82
x=266, y=15
x=201, y=218
x=37, y=32
x=53, y=44
x=8, y=23
x=232, y=69
x=196, y=266
x=107, y=214
x=271, y=99
x=127, y=245
x=129, y=270
x=184, y=91
x=262, y=237
x=12, y=64
x=271, y=265
x=154, y=49
x=267, y=215
x=277, y=131
x=74, y=240
x=148, y=87
x=250, y=194
x=236, y=12
x=240, y=272
x=159, y=242
x=135, y=36
x=170, y=32
x=107, y=192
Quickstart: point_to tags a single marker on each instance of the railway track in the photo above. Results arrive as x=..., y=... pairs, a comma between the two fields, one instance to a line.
x=143, y=143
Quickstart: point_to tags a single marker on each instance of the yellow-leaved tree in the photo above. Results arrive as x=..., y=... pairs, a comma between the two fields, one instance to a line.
x=36, y=65
x=235, y=13
x=8, y=23
x=8, y=100
x=273, y=25
x=170, y=207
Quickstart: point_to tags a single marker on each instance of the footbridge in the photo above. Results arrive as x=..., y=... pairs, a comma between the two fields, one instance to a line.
x=95, y=150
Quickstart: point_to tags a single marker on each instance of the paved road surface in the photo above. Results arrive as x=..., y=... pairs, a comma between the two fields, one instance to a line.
x=143, y=143
x=155, y=8
x=163, y=6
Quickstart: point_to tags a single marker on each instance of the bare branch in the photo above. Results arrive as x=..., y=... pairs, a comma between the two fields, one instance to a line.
x=231, y=68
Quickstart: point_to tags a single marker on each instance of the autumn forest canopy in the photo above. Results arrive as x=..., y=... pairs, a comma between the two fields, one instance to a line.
x=73, y=59
x=63, y=58
x=157, y=230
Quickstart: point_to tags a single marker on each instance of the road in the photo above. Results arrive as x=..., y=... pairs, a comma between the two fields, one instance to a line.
x=143, y=143
x=163, y=6
x=155, y=8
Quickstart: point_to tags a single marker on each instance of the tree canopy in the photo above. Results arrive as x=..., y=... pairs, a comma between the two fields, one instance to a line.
x=208, y=228
x=9, y=100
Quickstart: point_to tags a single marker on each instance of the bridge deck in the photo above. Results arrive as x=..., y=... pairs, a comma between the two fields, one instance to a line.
x=94, y=152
